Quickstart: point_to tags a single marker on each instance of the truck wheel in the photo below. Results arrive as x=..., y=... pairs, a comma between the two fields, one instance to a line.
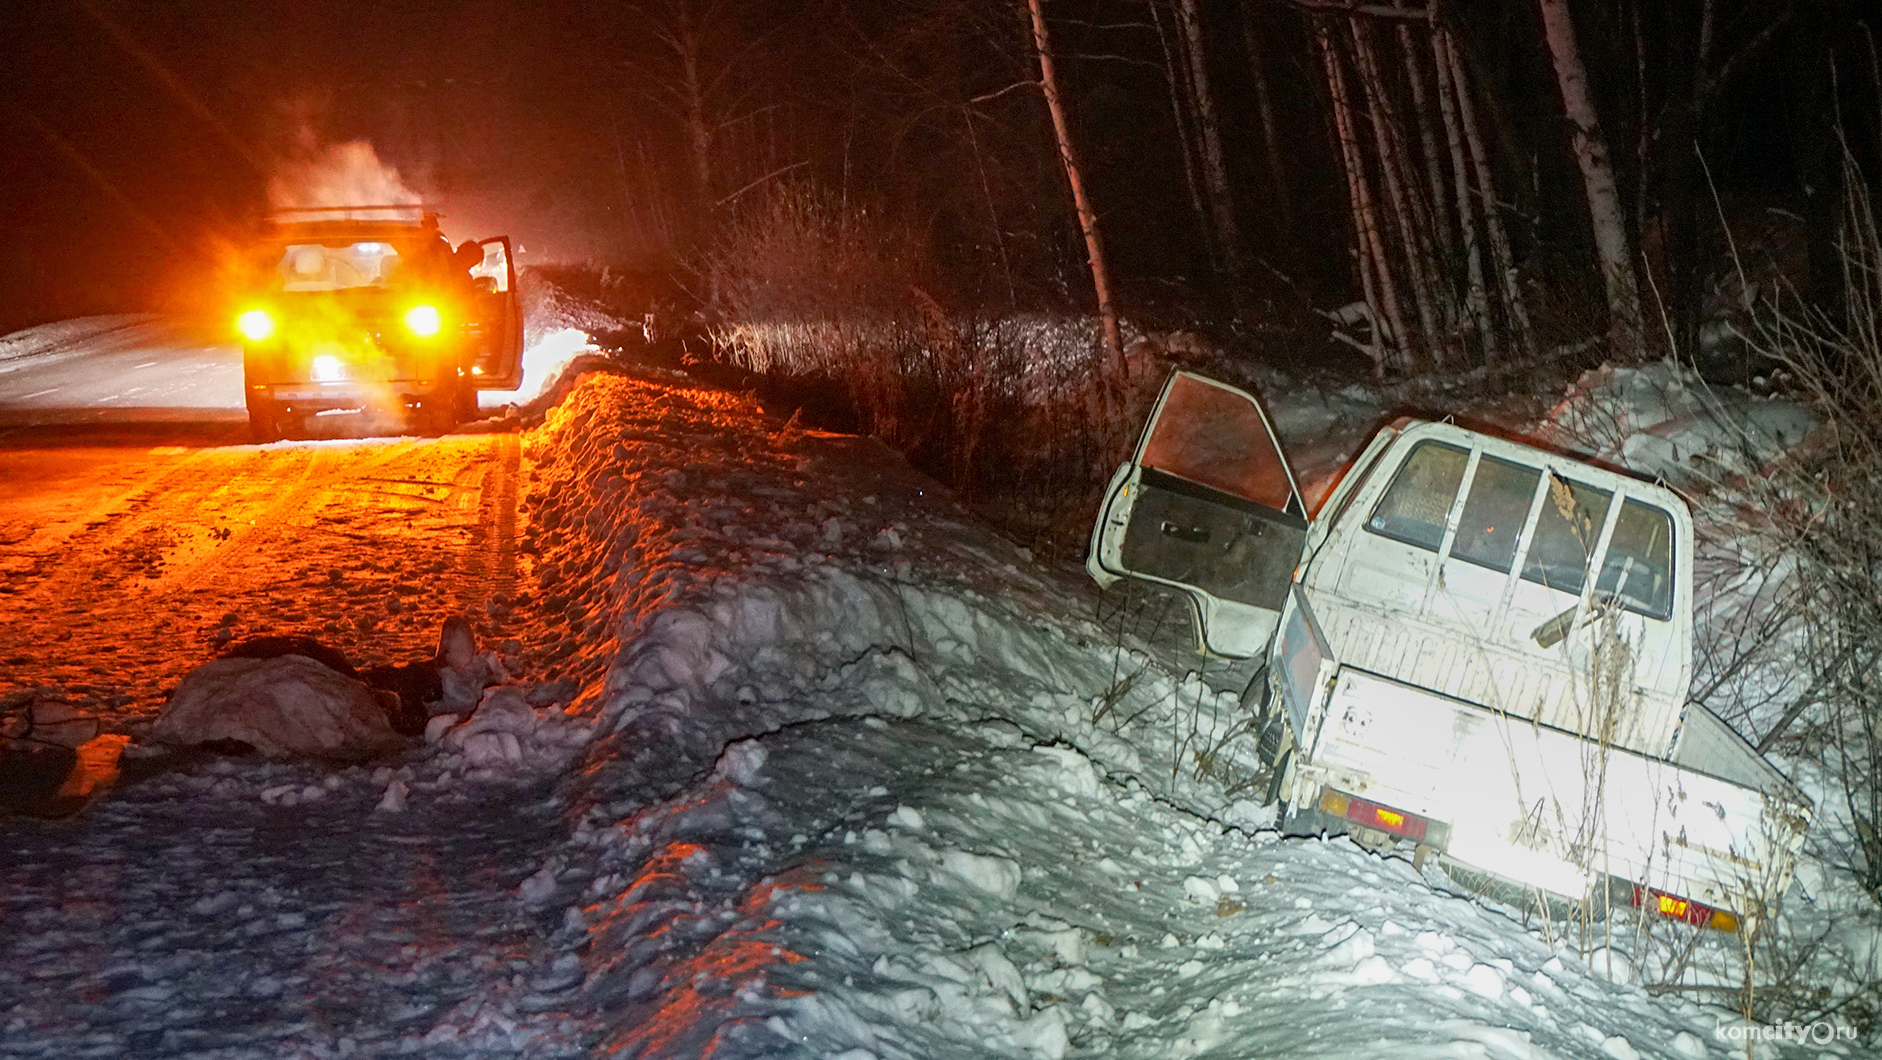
x=466, y=400
x=437, y=414
x=264, y=419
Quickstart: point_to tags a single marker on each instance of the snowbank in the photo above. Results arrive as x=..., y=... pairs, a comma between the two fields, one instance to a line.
x=865, y=784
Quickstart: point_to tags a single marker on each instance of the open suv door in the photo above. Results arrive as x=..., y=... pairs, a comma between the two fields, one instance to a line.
x=1209, y=506
x=499, y=365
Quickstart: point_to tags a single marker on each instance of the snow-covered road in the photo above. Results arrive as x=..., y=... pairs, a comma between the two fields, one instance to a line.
x=117, y=369
x=836, y=772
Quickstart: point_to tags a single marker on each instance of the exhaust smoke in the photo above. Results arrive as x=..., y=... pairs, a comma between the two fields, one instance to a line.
x=343, y=174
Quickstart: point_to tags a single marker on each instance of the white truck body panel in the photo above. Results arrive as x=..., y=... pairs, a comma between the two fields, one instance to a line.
x=1543, y=807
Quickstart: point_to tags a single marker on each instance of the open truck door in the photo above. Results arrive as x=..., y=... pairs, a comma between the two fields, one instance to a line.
x=500, y=364
x=1207, y=505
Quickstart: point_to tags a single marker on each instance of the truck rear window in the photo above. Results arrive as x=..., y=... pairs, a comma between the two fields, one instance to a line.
x=1638, y=568
x=315, y=267
x=1418, y=501
x=1566, y=535
x=1494, y=513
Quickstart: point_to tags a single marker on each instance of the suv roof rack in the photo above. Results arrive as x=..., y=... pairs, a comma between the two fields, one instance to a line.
x=421, y=214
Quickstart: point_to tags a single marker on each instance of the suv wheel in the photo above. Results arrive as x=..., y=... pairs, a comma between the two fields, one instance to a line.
x=264, y=418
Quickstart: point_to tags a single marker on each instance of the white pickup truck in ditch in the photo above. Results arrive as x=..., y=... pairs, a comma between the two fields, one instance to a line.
x=1475, y=648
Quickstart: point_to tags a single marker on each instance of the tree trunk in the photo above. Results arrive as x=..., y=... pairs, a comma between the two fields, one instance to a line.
x=1375, y=274
x=693, y=92
x=1214, y=168
x=1264, y=106
x=1087, y=216
x=1397, y=190
x=1476, y=297
x=1597, y=176
x=1486, y=195
x=1428, y=140
x=1182, y=109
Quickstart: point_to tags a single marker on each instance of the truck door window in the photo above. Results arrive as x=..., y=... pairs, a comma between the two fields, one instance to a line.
x=1415, y=506
x=1566, y=535
x=1216, y=438
x=1494, y=513
x=1638, y=568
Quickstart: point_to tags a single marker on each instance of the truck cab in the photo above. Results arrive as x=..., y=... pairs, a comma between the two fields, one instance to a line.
x=369, y=309
x=1476, y=647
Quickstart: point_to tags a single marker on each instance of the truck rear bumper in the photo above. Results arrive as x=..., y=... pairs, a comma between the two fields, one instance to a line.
x=351, y=393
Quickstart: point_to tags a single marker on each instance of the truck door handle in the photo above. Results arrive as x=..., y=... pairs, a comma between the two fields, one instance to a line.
x=1196, y=535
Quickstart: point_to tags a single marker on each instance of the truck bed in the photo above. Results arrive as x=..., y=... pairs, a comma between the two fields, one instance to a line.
x=1538, y=805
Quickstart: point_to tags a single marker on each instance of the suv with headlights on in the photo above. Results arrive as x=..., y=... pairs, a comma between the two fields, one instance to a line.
x=368, y=309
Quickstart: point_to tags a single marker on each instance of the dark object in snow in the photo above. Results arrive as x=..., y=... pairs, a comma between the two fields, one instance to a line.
x=415, y=684
x=275, y=645
x=457, y=643
x=452, y=680
x=463, y=671
x=31, y=772
x=283, y=707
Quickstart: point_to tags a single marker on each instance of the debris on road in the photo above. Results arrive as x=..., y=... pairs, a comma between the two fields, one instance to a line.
x=283, y=707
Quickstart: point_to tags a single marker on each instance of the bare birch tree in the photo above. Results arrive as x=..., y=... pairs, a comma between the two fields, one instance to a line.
x=1184, y=113
x=1278, y=189
x=1087, y=215
x=1605, y=214
x=1375, y=273
x=1209, y=139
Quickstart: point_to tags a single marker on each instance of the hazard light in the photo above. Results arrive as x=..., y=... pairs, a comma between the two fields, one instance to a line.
x=255, y=325
x=1697, y=914
x=1384, y=818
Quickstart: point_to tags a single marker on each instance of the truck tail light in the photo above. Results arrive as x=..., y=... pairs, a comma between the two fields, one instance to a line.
x=424, y=320
x=255, y=325
x=1697, y=914
x=1384, y=818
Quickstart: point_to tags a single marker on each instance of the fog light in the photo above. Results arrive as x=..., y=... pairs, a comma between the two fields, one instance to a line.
x=328, y=369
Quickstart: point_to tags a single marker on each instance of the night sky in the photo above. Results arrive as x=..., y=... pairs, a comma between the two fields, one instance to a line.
x=134, y=136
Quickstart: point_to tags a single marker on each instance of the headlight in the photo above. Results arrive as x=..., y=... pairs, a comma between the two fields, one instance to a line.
x=327, y=369
x=256, y=325
x=423, y=320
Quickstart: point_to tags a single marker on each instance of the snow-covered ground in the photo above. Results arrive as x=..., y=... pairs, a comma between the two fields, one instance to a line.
x=847, y=775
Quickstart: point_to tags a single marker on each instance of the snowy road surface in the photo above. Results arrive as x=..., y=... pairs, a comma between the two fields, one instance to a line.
x=117, y=369
x=800, y=761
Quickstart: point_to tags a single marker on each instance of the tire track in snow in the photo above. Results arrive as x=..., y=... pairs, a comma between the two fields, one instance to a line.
x=367, y=546
x=489, y=568
x=269, y=522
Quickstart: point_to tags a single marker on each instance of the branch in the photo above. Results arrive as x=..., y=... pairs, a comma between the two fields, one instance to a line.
x=1352, y=7
x=1730, y=67
x=774, y=173
x=1004, y=91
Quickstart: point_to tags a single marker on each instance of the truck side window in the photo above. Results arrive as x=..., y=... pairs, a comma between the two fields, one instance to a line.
x=1415, y=506
x=1639, y=564
x=1566, y=534
x=1494, y=513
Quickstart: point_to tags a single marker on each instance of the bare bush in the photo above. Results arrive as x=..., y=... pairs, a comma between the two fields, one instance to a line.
x=1826, y=511
x=826, y=296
